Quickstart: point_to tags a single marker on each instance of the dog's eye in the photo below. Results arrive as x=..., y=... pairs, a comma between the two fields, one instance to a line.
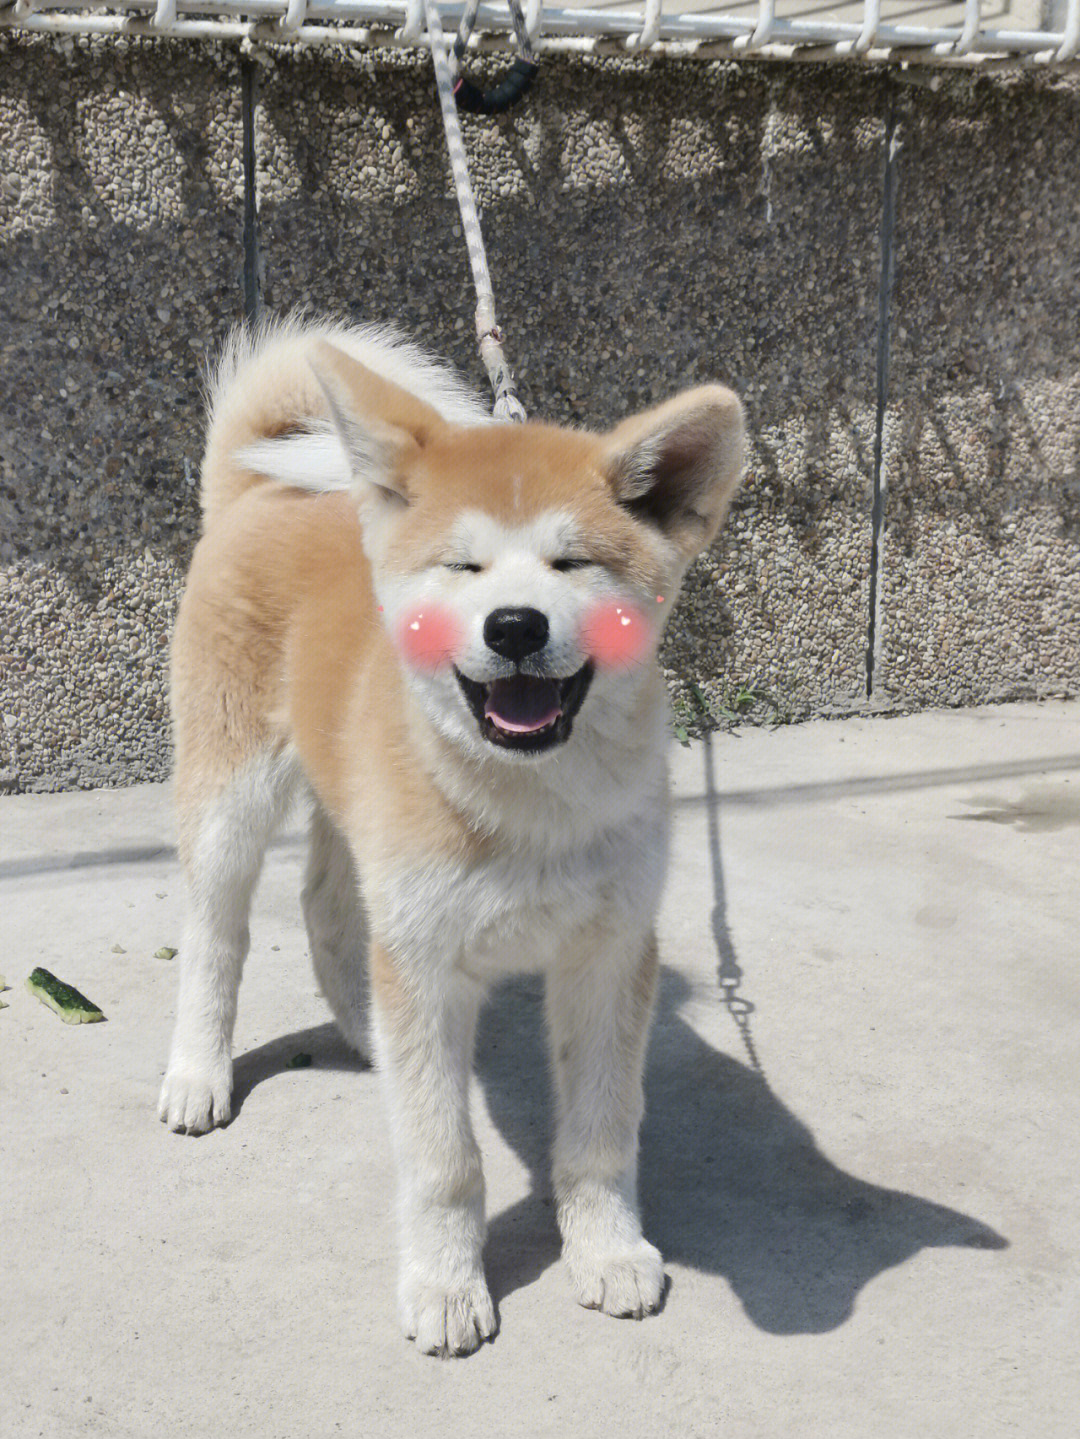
x=464, y=567
x=568, y=562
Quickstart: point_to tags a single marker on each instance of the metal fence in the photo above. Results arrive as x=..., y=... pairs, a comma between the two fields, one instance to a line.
x=973, y=32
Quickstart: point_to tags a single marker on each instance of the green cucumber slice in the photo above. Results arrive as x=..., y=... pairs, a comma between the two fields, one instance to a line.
x=69, y=1004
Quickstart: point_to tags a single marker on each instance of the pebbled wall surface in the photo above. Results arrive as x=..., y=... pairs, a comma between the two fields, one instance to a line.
x=649, y=226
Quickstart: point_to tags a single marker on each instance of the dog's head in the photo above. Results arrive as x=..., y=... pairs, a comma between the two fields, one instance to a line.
x=526, y=571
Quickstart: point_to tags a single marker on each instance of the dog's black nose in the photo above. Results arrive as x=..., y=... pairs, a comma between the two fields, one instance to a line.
x=515, y=633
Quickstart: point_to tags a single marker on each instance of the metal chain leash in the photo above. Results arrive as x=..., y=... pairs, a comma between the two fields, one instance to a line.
x=729, y=974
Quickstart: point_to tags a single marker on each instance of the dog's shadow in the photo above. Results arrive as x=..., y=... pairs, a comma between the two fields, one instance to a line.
x=322, y=1045
x=731, y=1181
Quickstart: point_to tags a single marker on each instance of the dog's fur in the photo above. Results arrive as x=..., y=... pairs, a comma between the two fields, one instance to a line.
x=349, y=479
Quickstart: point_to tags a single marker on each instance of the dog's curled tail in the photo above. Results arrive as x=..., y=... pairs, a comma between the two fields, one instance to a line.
x=269, y=417
x=261, y=390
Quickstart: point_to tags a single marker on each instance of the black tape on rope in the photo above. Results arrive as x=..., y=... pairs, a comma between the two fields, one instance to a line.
x=510, y=89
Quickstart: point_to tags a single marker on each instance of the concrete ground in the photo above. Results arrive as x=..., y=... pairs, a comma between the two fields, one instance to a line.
x=860, y=1157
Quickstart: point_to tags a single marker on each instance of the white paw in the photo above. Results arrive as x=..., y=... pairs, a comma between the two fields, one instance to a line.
x=448, y=1321
x=625, y=1282
x=194, y=1101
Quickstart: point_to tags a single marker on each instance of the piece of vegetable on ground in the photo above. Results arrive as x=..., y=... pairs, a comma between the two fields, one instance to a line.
x=69, y=1004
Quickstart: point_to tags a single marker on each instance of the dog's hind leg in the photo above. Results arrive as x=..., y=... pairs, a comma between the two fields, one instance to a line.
x=337, y=929
x=226, y=825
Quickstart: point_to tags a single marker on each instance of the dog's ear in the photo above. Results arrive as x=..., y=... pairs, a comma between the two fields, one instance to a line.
x=382, y=427
x=678, y=465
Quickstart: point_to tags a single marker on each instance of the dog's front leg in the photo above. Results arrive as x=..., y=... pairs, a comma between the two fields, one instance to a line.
x=425, y=1026
x=599, y=1004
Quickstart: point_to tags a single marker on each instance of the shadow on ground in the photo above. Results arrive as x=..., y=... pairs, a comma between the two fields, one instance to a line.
x=732, y=1182
x=321, y=1044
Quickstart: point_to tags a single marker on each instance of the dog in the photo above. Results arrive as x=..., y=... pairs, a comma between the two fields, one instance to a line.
x=444, y=630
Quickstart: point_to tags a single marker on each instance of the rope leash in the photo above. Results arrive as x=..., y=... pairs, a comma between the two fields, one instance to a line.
x=489, y=336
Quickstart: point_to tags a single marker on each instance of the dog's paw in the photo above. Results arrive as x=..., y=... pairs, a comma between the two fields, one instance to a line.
x=448, y=1321
x=628, y=1283
x=194, y=1101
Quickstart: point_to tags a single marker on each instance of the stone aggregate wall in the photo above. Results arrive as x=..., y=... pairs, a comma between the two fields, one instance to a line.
x=121, y=260
x=649, y=226
x=981, y=561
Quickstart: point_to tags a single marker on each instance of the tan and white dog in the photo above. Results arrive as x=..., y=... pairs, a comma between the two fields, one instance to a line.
x=446, y=630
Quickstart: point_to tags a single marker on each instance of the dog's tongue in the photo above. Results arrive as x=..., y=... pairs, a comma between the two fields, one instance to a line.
x=523, y=704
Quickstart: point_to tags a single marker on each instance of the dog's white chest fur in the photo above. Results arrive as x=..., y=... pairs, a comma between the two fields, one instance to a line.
x=520, y=911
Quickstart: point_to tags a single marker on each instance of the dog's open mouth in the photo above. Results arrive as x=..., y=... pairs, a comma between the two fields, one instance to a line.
x=526, y=712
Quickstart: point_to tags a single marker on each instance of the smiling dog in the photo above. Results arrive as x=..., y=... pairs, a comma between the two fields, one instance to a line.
x=445, y=630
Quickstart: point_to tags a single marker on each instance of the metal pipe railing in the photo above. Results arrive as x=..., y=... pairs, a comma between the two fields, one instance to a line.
x=643, y=29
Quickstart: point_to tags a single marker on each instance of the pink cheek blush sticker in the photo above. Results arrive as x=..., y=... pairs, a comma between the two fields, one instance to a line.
x=429, y=637
x=617, y=635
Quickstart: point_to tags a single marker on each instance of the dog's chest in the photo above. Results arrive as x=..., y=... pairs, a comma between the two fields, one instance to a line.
x=519, y=912
x=519, y=917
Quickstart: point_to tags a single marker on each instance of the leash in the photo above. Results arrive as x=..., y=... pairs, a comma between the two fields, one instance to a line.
x=729, y=973
x=489, y=336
